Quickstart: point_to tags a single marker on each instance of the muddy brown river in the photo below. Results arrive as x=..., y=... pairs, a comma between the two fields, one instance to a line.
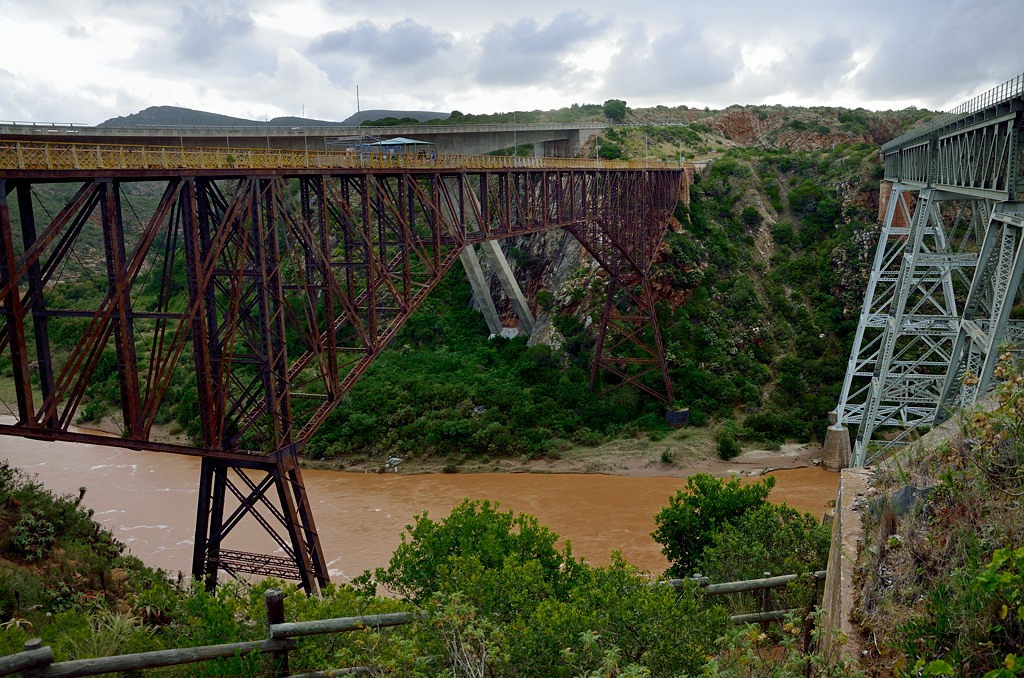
x=148, y=500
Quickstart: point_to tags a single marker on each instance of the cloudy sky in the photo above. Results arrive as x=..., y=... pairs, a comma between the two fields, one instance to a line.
x=85, y=61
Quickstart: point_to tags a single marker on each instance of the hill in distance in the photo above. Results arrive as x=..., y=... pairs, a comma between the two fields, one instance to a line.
x=177, y=116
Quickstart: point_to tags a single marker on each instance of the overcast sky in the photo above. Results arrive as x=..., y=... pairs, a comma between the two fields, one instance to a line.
x=85, y=61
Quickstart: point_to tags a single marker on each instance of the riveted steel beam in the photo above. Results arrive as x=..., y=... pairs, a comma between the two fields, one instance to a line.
x=254, y=298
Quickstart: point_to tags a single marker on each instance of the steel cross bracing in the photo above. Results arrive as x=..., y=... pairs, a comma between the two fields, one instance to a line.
x=945, y=276
x=985, y=325
x=922, y=268
x=267, y=294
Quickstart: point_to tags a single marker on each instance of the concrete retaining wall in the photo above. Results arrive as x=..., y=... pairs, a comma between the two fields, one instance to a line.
x=847, y=536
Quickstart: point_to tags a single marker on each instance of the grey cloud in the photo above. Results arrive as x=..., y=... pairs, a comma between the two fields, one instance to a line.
x=76, y=32
x=34, y=101
x=525, y=53
x=204, y=32
x=399, y=44
x=214, y=44
x=675, y=65
x=823, y=63
x=816, y=69
x=949, y=51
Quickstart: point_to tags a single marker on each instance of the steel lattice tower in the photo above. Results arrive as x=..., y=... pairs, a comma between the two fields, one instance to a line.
x=945, y=276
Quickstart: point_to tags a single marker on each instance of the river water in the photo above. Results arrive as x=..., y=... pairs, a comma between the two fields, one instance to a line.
x=148, y=501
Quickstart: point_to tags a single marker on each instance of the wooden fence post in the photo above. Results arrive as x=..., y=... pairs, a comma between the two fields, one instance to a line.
x=274, y=599
x=766, y=603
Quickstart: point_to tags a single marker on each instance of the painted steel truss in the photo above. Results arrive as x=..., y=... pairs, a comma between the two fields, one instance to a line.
x=985, y=328
x=268, y=295
x=920, y=275
x=936, y=309
x=945, y=276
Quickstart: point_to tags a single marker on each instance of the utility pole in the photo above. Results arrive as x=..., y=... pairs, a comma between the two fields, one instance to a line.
x=515, y=137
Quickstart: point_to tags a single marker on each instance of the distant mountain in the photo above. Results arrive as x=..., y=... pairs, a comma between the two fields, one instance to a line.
x=174, y=115
x=377, y=114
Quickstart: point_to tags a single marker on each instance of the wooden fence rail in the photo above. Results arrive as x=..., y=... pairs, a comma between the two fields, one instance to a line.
x=36, y=661
x=767, y=582
x=764, y=585
x=159, y=658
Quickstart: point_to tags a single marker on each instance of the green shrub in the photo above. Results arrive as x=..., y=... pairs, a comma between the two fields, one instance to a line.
x=728, y=447
x=501, y=598
x=706, y=505
x=473, y=528
x=974, y=621
x=750, y=216
x=33, y=537
x=545, y=300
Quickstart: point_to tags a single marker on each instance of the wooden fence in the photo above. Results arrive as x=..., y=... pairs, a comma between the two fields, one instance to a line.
x=36, y=661
x=765, y=585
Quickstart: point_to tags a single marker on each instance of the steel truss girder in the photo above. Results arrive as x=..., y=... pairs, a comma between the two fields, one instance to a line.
x=270, y=295
x=978, y=159
x=629, y=348
x=920, y=276
x=985, y=324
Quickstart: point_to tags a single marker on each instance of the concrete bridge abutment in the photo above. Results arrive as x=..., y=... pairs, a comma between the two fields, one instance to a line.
x=837, y=450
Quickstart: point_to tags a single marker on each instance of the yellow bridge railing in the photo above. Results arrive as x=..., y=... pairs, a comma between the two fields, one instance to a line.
x=16, y=155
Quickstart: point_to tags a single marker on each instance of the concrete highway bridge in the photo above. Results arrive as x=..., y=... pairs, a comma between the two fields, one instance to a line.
x=945, y=279
x=269, y=280
x=548, y=139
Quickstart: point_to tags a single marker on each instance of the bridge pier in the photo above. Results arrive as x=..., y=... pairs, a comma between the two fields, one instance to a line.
x=290, y=524
x=475, y=274
x=509, y=284
x=481, y=290
x=836, y=449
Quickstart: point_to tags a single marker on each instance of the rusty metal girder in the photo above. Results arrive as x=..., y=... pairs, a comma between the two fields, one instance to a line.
x=270, y=294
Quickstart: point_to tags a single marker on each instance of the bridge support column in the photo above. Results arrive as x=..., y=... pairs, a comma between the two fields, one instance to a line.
x=837, y=449
x=14, y=312
x=509, y=284
x=470, y=208
x=481, y=290
x=289, y=522
x=629, y=349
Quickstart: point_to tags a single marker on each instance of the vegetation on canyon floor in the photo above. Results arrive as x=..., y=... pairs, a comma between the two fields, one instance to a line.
x=941, y=577
x=501, y=598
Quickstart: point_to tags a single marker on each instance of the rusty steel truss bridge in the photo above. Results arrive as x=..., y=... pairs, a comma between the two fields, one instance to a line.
x=938, y=308
x=267, y=282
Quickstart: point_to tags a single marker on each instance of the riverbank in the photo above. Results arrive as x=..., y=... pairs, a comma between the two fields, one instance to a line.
x=680, y=454
x=636, y=458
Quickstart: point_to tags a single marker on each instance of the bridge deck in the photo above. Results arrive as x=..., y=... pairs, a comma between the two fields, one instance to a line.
x=972, y=150
x=21, y=157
